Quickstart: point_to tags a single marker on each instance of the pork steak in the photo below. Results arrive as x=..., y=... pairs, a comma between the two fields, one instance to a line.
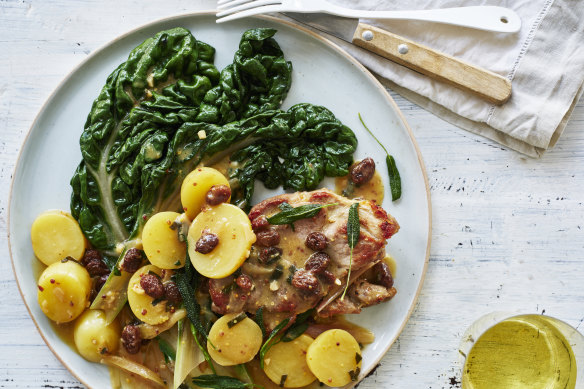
x=293, y=269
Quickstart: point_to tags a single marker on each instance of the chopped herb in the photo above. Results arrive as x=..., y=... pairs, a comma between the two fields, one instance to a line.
x=103, y=351
x=292, y=270
x=239, y=318
x=116, y=271
x=394, y=177
x=358, y=357
x=283, y=380
x=289, y=214
x=228, y=288
x=157, y=301
x=68, y=258
x=353, y=231
x=277, y=273
x=354, y=374
x=166, y=349
x=349, y=189
x=177, y=263
x=275, y=256
x=154, y=274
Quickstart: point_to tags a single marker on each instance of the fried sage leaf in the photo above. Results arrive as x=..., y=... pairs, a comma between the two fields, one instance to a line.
x=353, y=232
x=392, y=172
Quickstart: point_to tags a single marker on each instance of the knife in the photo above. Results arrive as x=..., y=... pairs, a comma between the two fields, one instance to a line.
x=480, y=82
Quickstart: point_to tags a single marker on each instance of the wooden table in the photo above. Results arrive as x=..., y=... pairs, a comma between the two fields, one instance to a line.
x=508, y=231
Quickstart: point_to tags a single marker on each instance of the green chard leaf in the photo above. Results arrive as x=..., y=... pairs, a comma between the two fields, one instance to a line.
x=393, y=173
x=353, y=232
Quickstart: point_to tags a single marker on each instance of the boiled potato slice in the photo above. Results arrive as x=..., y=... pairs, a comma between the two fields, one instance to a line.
x=63, y=291
x=195, y=187
x=333, y=357
x=235, y=345
x=285, y=363
x=233, y=228
x=56, y=235
x=94, y=337
x=160, y=240
x=141, y=303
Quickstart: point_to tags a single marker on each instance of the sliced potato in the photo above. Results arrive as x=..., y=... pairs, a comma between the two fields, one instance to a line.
x=235, y=345
x=233, y=228
x=94, y=337
x=285, y=363
x=141, y=303
x=334, y=357
x=195, y=187
x=63, y=291
x=56, y=235
x=160, y=240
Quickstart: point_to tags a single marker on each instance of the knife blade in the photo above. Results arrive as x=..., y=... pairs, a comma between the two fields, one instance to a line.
x=465, y=76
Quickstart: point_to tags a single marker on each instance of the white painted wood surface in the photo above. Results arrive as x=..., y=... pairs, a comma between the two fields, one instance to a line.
x=508, y=231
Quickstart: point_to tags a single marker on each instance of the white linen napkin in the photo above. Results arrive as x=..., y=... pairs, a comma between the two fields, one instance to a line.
x=544, y=61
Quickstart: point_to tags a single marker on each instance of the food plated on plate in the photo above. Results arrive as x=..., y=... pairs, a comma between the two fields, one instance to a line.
x=177, y=261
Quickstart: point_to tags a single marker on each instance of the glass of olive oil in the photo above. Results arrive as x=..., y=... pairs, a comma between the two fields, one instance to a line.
x=513, y=351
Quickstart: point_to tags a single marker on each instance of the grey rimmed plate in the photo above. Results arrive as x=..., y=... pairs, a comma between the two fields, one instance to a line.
x=323, y=74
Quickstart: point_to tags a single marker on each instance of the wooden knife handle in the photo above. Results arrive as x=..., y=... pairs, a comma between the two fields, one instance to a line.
x=480, y=82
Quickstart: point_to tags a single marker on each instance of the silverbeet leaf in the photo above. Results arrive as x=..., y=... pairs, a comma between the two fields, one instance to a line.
x=141, y=136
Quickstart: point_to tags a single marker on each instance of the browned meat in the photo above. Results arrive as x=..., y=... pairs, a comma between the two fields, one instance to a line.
x=292, y=277
x=372, y=287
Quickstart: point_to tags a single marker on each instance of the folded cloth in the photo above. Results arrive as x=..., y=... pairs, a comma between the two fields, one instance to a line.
x=544, y=61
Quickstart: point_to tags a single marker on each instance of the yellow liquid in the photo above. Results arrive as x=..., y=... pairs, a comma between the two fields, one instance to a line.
x=525, y=351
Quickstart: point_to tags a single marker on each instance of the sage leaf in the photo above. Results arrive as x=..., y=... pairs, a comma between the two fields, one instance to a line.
x=184, y=281
x=353, y=232
x=392, y=172
x=394, y=178
x=268, y=343
x=259, y=319
x=289, y=214
x=214, y=381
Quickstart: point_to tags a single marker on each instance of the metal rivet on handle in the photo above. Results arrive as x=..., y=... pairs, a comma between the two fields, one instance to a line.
x=403, y=48
x=367, y=35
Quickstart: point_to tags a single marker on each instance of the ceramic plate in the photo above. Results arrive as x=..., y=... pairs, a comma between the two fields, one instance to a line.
x=323, y=75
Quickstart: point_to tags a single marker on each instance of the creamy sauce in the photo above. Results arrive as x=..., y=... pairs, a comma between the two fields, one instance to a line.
x=390, y=262
x=372, y=190
x=223, y=166
x=295, y=250
x=260, y=378
x=65, y=332
x=361, y=334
